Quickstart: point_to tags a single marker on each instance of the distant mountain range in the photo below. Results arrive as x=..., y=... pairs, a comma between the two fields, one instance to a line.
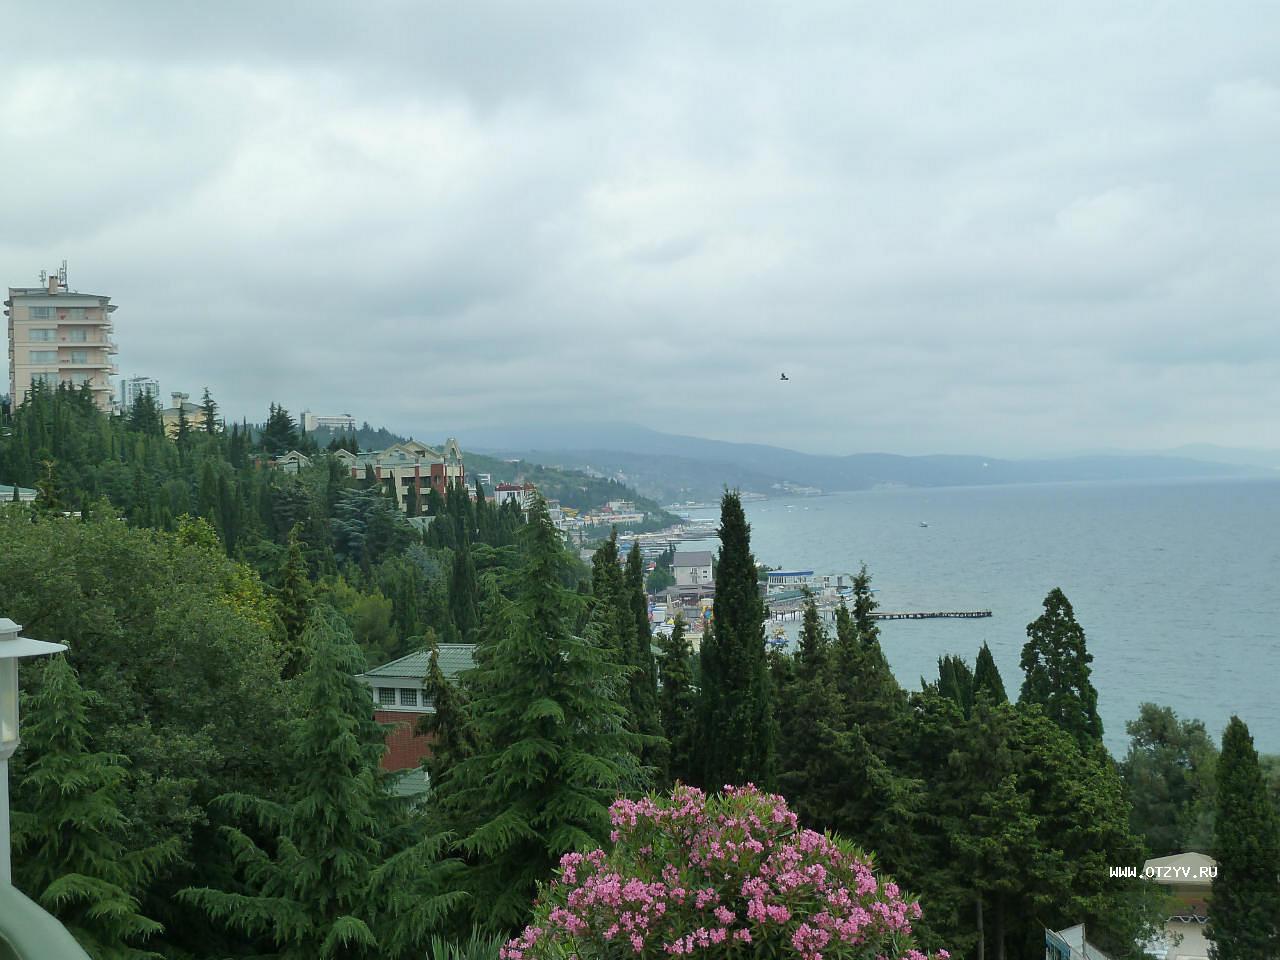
x=673, y=467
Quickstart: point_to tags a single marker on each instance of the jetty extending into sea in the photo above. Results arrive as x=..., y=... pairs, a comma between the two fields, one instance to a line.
x=793, y=609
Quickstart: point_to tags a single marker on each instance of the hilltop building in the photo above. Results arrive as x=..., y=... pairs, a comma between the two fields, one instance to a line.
x=400, y=701
x=521, y=494
x=342, y=422
x=408, y=466
x=135, y=387
x=58, y=336
x=180, y=405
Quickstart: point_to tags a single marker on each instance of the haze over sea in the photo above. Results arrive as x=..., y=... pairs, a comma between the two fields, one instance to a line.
x=1177, y=585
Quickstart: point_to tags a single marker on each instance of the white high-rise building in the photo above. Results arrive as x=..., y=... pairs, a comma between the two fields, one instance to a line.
x=135, y=387
x=58, y=336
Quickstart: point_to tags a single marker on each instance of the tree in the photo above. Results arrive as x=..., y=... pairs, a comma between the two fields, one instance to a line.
x=463, y=593
x=1244, y=911
x=295, y=603
x=453, y=736
x=643, y=681
x=68, y=825
x=1169, y=772
x=986, y=678
x=554, y=749
x=280, y=433
x=864, y=605
x=208, y=413
x=1055, y=664
x=677, y=702
x=311, y=892
x=737, y=730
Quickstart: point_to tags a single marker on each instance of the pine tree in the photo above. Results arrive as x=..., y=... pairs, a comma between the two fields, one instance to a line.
x=1244, y=911
x=986, y=678
x=736, y=730
x=1055, y=663
x=864, y=606
x=280, y=432
x=312, y=891
x=554, y=749
x=69, y=828
x=678, y=702
x=955, y=681
x=295, y=602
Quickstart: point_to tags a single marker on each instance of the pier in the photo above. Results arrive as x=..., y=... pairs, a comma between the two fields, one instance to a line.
x=794, y=610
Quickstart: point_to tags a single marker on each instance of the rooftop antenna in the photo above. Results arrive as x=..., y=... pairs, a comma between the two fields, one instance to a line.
x=62, y=275
x=44, y=277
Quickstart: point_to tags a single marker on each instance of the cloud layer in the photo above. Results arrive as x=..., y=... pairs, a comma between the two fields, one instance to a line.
x=991, y=229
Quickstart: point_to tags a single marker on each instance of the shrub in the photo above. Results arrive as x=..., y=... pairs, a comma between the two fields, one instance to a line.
x=729, y=875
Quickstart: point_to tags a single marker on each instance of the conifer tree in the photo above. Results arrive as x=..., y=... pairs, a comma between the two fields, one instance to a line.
x=864, y=605
x=1055, y=664
x=986, y=678
x=208, y=413
x=311, y=890
x=1244, y=911
x=643, y=701
x=955, y=681
x=295, y=602
x=462, y=592
x=554, y=749
x=678, y=702
x=69, y=828
x=736, y=730
x=871, y=698
x=453, y=737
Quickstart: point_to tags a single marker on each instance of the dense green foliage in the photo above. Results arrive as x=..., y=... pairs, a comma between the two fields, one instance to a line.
x=1244, y=911
x=1055, y=664
x=1169, y=772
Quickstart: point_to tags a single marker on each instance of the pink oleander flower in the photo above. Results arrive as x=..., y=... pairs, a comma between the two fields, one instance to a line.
x=690, y=874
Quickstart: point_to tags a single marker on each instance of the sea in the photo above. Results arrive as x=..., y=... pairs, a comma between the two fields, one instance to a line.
x=1177, y=584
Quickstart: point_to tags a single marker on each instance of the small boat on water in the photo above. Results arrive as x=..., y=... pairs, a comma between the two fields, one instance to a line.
x=923, y=523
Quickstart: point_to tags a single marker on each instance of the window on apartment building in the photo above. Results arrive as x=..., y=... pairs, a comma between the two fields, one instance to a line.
x=387, y=696
x=408, y=697
x=79, y=356
x=42, y=334
x=78, y=335
x=40, y=313
x=44, y=356
x=80, y=379
x=50, y=379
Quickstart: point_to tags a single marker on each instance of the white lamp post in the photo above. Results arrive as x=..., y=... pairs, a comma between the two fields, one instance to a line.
x=12, y=647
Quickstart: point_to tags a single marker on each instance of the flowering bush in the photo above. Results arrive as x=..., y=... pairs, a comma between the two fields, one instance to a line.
x=721, y=876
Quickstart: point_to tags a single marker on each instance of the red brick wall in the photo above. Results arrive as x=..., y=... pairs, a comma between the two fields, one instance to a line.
x=404, y=749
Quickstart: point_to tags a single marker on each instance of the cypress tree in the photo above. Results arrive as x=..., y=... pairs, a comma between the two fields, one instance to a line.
x=295, y=602
x=554, y=748
x=1055, y=663
x=69, y=828
x=449, y=724
x=955, y=681
x=986, y=678
x=737, y=730
x=643, y=700
x=864, y=605
x=678, y=702
x=462, y=592
x=1244, y=911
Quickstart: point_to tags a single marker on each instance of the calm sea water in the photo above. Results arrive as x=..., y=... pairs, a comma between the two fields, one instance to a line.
x=1177, y=585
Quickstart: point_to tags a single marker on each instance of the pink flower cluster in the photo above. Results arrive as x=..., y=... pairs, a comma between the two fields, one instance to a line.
x=719, y=876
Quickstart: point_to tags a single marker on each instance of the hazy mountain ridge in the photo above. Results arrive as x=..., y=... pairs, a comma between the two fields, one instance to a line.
x=670, y=466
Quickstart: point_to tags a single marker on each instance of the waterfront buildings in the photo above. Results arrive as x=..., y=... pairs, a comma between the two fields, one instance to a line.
x=692, y=568
x=341, y=423
x=58, y=336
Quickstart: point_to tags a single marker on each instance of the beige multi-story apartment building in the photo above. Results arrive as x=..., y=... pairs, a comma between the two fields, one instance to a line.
x=57, y=336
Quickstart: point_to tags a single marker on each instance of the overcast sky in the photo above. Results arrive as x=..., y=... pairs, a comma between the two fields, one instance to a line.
x=994, y=228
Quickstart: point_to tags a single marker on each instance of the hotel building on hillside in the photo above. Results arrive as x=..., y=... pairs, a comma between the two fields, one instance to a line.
x=342, y=422
x=59, y=336
x=407, y=466
x=135, y=387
